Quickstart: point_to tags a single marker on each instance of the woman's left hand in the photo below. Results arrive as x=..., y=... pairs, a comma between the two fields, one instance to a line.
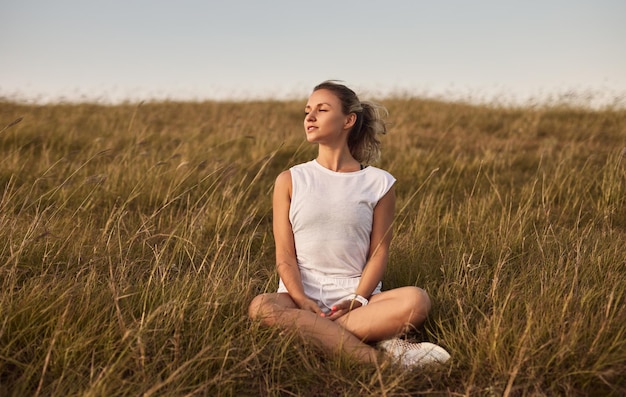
x=342, y=308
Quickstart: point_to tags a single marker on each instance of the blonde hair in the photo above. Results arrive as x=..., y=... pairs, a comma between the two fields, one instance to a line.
x=363, y=139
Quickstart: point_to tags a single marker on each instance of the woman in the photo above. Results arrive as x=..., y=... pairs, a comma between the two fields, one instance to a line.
x=332, y=228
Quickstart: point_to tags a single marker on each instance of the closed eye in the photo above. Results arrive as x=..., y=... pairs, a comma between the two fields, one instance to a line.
x=306, y=112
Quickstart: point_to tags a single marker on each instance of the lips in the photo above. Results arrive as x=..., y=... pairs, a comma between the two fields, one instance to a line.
x=310, y=128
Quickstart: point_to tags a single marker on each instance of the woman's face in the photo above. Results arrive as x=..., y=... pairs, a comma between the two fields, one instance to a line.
x=324, y=121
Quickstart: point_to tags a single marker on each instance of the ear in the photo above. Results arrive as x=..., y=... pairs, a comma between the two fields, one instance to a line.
x=350, y=121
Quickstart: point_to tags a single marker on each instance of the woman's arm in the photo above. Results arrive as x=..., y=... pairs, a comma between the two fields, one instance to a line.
x=286, y=263
x=380, y=240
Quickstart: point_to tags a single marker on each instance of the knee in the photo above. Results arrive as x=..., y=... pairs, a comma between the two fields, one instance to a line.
x=419, y=303
x=262, y=308
x=425, y=300
x=255, y=308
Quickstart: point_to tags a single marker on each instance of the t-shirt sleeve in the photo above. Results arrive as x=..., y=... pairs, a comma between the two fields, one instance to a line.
x=386, y=182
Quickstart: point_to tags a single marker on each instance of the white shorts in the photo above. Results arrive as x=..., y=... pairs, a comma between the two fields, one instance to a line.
x=327, y=291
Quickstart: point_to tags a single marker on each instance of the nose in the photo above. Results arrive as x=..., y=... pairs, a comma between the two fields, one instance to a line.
x=309, y=116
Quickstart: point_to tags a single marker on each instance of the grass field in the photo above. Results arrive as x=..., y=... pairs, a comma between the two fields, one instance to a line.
x=132, y=238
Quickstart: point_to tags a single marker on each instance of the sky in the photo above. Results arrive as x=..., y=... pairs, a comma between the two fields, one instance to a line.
x=133, y=50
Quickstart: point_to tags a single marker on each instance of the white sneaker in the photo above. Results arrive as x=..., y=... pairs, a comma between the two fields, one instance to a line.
x=414, y=354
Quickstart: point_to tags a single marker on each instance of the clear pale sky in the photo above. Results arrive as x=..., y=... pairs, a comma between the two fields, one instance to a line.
x=141, y=50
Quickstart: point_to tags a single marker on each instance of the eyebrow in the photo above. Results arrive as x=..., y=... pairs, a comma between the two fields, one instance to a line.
x=319, y=104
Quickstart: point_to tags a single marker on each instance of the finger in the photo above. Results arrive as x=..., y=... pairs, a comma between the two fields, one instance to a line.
x=316, y=309
x=337, y=314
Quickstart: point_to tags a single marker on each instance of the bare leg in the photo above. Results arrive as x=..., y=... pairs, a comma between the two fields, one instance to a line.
x=388, y=314
x=280, y=310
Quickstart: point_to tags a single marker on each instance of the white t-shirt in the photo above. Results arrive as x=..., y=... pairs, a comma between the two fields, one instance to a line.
x=331, y=215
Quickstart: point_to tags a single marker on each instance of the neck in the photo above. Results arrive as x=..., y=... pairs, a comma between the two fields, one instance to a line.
x=337, y=160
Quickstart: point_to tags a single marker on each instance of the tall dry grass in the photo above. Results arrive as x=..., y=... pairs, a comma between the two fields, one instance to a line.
x=132, y=238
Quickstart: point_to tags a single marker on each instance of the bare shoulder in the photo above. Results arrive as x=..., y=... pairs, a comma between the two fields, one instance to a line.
x=282, y=186
x=283, y=181
x=284, y=177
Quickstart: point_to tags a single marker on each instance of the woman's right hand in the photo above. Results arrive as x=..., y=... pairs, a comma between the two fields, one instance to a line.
x=310, y=305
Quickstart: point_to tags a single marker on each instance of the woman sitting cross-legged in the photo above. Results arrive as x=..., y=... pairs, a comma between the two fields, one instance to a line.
x=332, y=221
